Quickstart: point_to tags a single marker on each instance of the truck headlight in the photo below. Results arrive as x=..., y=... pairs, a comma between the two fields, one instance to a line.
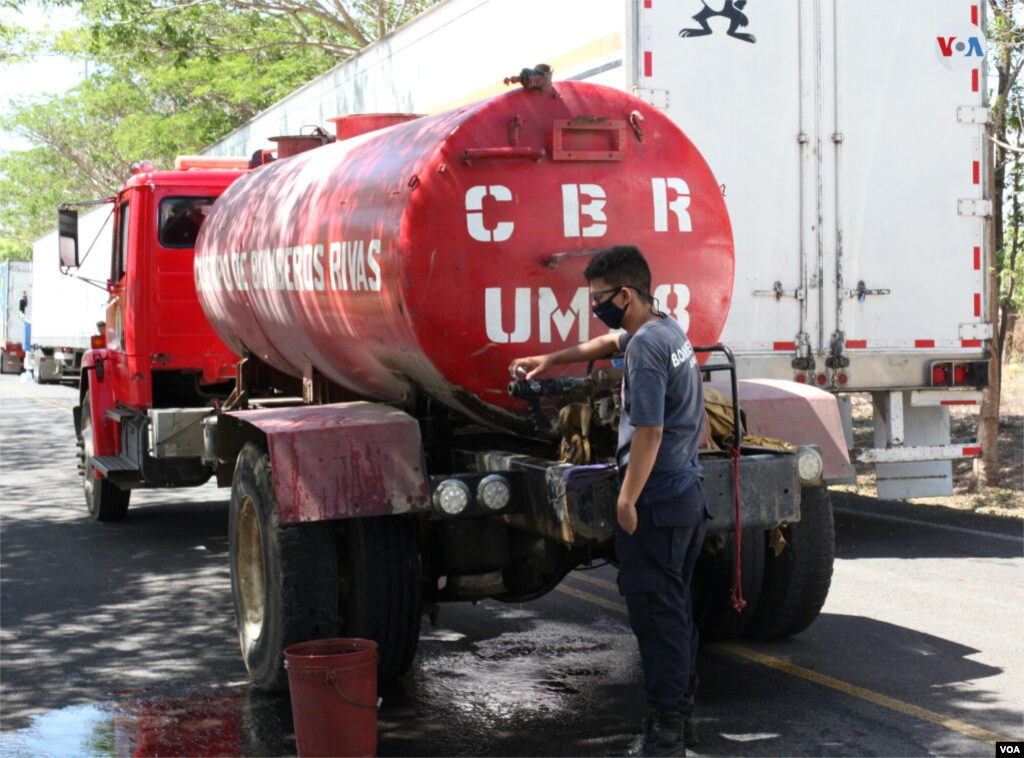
x=494, y=492
x=451, y=497
x=809, y=465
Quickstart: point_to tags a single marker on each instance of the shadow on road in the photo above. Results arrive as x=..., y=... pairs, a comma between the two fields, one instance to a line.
x=870, y=528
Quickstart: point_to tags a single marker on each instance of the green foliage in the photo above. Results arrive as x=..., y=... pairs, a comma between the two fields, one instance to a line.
x=166, y=79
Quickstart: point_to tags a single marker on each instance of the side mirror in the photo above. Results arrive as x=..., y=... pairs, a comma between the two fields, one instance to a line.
x=67, y=229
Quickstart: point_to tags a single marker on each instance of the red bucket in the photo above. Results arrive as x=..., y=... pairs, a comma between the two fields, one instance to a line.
x=333, y=686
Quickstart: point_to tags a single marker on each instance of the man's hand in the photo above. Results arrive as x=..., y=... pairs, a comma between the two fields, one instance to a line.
x=528, y=368
x=626, y=512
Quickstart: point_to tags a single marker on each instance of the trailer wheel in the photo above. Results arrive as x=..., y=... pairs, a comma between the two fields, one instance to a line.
x=284, y=579
x=796, y=582
x=381, y=591
x=36, y=372
x=713, y=611
x=106, y=501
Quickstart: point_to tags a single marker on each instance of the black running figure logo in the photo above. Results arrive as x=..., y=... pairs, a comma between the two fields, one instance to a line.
x=731, y=9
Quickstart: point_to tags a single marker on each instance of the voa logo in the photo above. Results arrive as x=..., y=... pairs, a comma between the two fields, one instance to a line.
x=961, y=49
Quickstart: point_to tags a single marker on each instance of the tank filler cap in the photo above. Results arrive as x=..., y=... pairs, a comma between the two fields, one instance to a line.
x=538, y=77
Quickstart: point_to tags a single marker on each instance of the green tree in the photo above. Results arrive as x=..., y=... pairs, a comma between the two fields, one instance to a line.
x=1006, y=42
x=186, y=28
x=167, y=79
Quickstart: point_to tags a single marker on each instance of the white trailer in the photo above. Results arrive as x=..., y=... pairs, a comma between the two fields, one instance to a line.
x=848, y=139
x=15, y=294
x=67, y=307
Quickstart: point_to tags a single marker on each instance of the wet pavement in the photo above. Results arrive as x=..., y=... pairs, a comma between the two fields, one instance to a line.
x=119, y=639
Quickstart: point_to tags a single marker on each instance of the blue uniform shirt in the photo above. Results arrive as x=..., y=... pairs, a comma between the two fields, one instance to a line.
x=662, y=387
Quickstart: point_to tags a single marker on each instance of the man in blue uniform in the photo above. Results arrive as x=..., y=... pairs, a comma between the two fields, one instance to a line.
x=661, y=508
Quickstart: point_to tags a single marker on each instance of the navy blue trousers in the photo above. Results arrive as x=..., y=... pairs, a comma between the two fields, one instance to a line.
x=655, y=568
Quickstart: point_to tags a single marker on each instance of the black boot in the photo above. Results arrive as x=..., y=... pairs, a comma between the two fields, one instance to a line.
x=690, y=737
x=662, y=736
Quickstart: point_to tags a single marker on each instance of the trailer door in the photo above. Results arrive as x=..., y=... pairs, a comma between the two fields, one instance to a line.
x=747, y=101
x=909, y=118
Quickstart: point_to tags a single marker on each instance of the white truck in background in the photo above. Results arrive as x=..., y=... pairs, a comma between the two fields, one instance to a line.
x=66, y=308
x=15, y=288
x=848, y=139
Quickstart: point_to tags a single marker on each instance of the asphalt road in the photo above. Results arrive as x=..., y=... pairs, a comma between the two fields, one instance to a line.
x=119, y=638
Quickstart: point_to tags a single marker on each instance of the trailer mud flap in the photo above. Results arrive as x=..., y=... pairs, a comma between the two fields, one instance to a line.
x=342, y=461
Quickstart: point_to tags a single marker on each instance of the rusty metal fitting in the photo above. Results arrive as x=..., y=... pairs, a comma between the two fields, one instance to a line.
x=538, y=78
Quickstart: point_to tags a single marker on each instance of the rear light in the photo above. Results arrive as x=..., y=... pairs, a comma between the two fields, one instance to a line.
x=98, y=341
x=821, y=379
x=800, y=379
x=842, y=379
x=959, y=373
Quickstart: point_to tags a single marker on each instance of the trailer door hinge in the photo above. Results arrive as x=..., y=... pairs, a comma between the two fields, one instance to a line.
x=981, y=208
x=778, y=292
x=972, y=114
x=659, y=98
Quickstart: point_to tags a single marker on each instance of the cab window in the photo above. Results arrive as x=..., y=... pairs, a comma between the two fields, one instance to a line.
x=180, y=220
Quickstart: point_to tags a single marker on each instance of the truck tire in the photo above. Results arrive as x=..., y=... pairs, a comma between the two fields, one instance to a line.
x=381, y=588
x=105, y=500
x=36, y=372
x=796, y=582
x=284, y=579
x=713, y=612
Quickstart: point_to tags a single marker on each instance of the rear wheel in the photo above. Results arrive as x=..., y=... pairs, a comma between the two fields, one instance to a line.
x=797, y=579
x=105, y=500
x=381, y=593
x=284, y=579
x=713, y=611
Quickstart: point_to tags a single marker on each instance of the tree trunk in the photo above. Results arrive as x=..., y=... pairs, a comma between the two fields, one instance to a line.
x=987, y=467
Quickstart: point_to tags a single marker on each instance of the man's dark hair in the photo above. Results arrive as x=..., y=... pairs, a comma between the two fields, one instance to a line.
x=621, y=266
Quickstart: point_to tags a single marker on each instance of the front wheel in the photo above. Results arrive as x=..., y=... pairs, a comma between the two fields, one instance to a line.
x=105, y=500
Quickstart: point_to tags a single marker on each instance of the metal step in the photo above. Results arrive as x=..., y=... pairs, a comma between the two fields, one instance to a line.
x=119, y=415
x=111, y=464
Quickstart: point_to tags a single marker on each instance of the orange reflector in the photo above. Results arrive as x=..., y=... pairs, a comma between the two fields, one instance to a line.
x=185, y=162
x=97, y=341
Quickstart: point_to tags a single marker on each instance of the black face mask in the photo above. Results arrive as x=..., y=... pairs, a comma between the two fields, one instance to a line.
x=610, y=314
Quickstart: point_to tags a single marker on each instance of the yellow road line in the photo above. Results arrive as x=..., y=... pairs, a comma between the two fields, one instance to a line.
x=40, y=400
x=955, y=725
x=585, y=577
x=923, y=714
x=594, y=599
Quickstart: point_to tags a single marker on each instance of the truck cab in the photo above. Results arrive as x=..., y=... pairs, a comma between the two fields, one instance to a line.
x=155, y=349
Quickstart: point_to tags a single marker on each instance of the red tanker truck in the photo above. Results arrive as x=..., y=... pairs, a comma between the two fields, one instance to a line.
x=376, y=287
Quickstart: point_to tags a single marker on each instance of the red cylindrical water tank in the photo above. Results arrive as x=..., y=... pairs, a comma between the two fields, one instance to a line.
x=432, y=253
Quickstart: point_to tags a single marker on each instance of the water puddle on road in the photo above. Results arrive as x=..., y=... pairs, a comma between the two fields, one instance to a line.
x=232, y=721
